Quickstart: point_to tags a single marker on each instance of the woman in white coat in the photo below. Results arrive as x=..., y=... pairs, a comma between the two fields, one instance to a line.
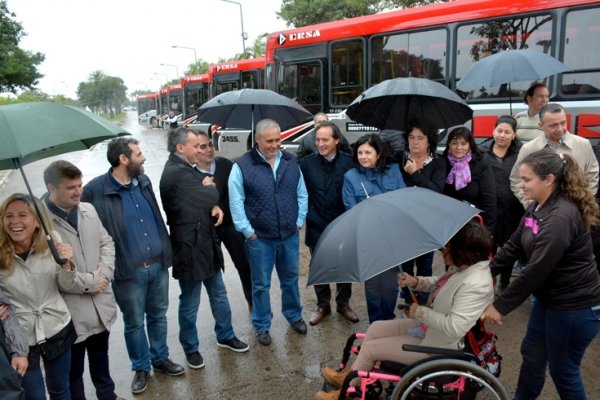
x=456, y=301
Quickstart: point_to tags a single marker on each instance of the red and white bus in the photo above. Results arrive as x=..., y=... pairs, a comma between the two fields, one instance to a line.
x=326, y=66
x=239, y=74
x=196, y=91
x=146, y=102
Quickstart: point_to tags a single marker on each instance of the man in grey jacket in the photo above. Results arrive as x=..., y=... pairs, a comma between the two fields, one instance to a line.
x=90, y=300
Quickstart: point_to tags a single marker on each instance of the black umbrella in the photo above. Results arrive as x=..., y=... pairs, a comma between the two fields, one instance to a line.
x=33, y=131
x=510, y=66
x=244, y=108
x=384, y=231
x=392, y=103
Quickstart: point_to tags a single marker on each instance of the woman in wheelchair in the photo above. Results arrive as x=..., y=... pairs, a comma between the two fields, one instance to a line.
x=456, y=301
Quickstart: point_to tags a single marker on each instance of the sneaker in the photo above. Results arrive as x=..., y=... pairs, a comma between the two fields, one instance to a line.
x=140, y=382
x=234, y=344
x=194, y=360
x=299, y=326
x=263, y=338
x=169, y=367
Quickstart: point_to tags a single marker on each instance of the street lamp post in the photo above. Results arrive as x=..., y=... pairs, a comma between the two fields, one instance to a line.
x=244, y=36
x=172, y=65
x=189, y=48
x=165, y=75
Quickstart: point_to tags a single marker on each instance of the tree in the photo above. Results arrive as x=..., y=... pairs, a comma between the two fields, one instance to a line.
x=18, y=68
x=102, y=93
x=198, y=68
x=308, y=12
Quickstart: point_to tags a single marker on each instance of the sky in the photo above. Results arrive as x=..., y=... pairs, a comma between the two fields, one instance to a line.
x=130, y=39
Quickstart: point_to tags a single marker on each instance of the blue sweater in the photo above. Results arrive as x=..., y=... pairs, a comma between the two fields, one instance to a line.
x=358, y=182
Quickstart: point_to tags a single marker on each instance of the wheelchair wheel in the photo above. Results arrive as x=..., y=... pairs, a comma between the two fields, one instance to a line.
x=449, y=379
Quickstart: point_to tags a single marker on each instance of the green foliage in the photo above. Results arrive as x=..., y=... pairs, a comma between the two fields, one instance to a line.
x=103, y=94
x=18, y=68
x=198, y=68
x=308, y=12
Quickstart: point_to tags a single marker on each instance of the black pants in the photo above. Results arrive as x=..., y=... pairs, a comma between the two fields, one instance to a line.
x=236, y=246
x=97, y=351
x=343, y=292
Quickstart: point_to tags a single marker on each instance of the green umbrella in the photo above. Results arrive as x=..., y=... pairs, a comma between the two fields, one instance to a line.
x=33, y=131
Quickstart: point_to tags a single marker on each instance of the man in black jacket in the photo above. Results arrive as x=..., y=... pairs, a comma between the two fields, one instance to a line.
x=219, y=168
x=190, y=201
x=324, y=177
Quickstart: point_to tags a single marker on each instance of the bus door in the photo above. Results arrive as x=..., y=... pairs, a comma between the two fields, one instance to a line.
x=300, y=75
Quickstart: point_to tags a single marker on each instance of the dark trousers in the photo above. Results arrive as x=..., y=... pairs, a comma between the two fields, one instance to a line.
x=236, y=247
x=97, y=351
x=343, y=292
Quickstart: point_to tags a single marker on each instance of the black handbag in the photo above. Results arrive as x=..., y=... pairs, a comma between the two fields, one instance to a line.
x=55, y=346
x=10, y=380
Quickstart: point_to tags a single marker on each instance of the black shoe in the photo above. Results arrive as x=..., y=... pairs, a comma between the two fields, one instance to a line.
x=263, y=338
x=194, y=360
x=299, y=326
x=234, y=344
x=169, y=367
x=140, y=382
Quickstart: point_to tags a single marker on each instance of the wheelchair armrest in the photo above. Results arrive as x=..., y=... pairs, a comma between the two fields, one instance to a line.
x=433, y=350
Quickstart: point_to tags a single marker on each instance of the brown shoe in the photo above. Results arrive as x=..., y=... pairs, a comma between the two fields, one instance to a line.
x=319, y=315
x=336, y=378
x=348, y=313
x=321, y=395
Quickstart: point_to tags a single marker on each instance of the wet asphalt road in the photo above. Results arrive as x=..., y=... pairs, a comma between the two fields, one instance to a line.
x=290, y=367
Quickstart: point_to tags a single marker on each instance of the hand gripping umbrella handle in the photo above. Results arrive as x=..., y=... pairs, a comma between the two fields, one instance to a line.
x=54, y=251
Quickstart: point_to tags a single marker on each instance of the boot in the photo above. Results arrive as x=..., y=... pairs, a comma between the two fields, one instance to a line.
x=334, y=377
x=321, y=395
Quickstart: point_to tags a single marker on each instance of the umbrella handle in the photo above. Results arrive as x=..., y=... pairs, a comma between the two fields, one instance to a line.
x=52, y=246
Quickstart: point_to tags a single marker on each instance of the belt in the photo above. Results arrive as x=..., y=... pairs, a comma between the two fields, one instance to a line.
x=149, y=262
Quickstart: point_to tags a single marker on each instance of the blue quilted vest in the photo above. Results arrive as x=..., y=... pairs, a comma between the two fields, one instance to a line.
x=271, y=205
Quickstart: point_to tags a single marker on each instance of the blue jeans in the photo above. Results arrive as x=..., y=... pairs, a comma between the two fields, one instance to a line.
x=284, y=255
x=189, y=302
x=147, y=296
x=97, y=351
x=556, y=339
x=381, y=292
x=57, y=379
x=424, y=268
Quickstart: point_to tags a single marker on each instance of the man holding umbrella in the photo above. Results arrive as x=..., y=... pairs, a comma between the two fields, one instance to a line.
x=324, y=177
x=268, y=202
x=125, y=202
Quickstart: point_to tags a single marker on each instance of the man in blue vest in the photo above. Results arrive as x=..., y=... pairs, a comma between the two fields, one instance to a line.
x=268, y=202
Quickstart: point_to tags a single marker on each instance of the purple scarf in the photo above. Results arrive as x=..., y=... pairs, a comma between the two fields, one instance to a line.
x=460, y=174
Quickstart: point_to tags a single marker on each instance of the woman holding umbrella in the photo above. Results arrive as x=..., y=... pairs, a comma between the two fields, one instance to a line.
x=456, y=300
x=31, y=279
x=372, y=175
x=469, y=177
x=423, y=167
x=554, y=236
x=501, y=154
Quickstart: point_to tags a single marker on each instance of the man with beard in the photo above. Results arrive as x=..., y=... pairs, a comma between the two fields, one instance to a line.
x=127, y=207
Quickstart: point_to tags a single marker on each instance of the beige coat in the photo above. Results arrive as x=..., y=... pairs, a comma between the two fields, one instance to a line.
x=457, y=306
x=33, y=290
x=92, y=312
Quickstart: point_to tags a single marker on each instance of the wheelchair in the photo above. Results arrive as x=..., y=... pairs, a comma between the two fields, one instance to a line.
x=446, y=375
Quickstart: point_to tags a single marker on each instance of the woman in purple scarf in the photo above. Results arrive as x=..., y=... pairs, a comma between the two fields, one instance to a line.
x=470, y=178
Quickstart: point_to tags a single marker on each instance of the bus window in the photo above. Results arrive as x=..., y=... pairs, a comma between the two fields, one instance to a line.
x=250, y=80
x=582, y=36
x=302, y=82
x=347, y=71
x=476, y=41
x=415, y=54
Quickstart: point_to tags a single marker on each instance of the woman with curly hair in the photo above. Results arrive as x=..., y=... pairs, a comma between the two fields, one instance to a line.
x=554, y=237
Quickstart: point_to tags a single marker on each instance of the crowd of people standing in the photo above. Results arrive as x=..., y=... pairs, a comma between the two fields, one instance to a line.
x=115, y=248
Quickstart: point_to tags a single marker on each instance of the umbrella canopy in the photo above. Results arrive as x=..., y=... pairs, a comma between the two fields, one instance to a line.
x=510, y=66
x=384, y=231
x=33, y=131
x=244, y=108
x=392, y=103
